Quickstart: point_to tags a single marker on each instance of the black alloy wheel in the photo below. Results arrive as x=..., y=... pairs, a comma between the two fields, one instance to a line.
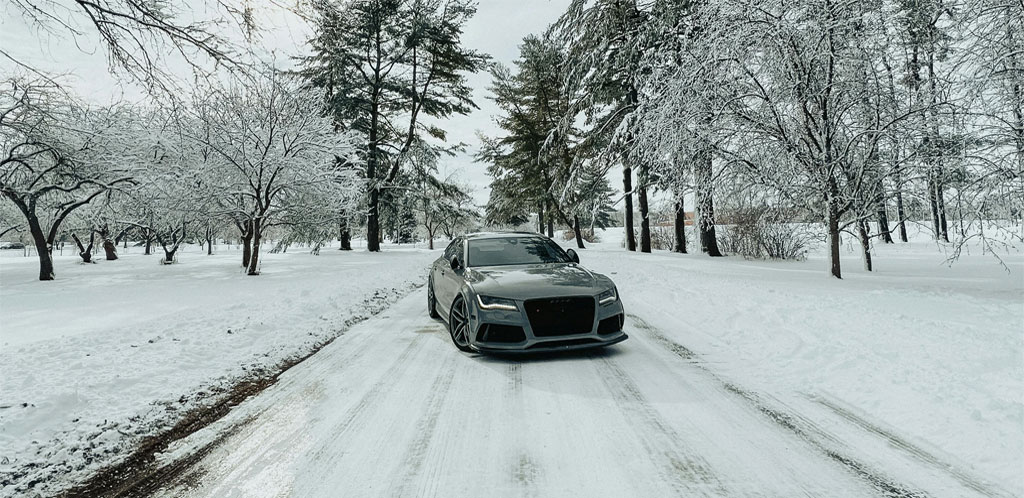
x=431, y=300
x=458, y=324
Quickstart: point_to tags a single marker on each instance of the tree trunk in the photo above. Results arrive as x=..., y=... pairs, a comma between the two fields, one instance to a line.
x=209, y=244
x=941, y=198
x=149, y=242
x=706, y=207
x=169, y=255
x=42, y=249
x=110, y=249
x=579, y=233
x=901, y=214
x=540, y=217
x=373, y=235
x=246, y=249
x=883, y=226
x=345, y=235
x=680, y=227
x=933, y=203
x=254, y=258
x=627, y=187
x=883, y=215
x=84, y=252
x=551, y=226
x=645, y=221
x=832, y=220
x=865, y=242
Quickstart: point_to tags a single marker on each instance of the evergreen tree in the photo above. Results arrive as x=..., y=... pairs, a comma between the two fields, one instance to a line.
x=605, y=42
x=383, y=65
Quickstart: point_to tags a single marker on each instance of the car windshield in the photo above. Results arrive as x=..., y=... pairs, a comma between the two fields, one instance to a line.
x=514, y=251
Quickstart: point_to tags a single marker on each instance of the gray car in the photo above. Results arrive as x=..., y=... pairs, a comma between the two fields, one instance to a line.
x=520, y=292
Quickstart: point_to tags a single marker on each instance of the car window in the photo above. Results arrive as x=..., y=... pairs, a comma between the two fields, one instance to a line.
x=514, y=251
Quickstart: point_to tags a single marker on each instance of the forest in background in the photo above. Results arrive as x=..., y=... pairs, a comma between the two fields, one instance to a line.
x=856, y=116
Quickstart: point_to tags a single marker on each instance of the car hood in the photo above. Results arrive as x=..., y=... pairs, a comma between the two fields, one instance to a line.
x=533, y=281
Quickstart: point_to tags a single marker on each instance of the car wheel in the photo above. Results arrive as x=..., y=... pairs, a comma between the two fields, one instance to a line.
x=431, y=300
x=458, y=324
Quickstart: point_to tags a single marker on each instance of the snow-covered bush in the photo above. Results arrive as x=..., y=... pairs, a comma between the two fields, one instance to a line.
x=662, y=237
x=762, y=233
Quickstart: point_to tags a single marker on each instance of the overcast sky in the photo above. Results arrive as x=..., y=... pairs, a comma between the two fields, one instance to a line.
x=497, y=29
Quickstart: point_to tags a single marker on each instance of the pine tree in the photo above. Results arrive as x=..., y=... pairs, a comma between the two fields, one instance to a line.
x=385, y=64
x=605, y=42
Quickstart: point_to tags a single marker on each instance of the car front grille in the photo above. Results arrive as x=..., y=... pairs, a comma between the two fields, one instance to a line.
x=560, y=316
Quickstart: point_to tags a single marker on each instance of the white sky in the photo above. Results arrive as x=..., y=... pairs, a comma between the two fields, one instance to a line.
x=497, y=29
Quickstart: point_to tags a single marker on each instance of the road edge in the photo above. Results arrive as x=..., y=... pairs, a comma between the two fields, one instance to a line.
x=140, y=473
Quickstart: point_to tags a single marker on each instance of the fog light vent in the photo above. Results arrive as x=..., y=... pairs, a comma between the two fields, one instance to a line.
x=509, y=334
x=610, y=325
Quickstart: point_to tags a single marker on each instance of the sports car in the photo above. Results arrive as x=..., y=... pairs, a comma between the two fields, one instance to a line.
x=513, y=292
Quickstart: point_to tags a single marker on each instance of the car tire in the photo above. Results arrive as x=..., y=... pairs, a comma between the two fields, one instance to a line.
x=458, y=324
x=431, y=300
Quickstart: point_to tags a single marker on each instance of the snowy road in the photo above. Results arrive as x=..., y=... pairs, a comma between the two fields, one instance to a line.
x=393, y=409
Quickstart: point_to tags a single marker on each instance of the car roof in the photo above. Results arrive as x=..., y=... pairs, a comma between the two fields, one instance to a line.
x=502, y=235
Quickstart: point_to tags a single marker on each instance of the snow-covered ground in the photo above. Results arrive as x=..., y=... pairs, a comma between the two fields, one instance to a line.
x=111, y=352
x=928, y=353
x=740, y=378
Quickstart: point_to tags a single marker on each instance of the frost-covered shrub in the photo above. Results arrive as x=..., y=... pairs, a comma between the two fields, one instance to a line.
x=662, y=237
x=763, y=233
x=588, y=235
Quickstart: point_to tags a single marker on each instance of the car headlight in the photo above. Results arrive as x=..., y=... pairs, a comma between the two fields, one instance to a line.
x=608, y=297
x=496, y=303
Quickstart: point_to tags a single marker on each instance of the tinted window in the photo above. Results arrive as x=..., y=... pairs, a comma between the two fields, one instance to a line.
x=514, y=251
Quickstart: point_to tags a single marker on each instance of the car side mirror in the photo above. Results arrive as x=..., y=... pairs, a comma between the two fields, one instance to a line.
x=455, y=263
x=573, y=256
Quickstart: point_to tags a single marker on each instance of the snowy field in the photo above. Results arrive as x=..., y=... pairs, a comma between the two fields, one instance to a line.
x=914, y=372
x=111, y=352
x=928, y=353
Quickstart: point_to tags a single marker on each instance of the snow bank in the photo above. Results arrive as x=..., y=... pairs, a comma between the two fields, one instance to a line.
x=112, y=352
x=930, y=352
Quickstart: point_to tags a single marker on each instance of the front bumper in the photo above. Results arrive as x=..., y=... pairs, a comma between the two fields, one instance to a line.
x=554, y=346
x=482, y=321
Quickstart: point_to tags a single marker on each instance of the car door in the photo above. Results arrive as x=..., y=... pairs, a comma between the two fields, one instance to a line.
x=446, y=280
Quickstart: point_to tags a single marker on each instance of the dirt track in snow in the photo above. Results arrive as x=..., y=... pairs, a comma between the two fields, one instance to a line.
x=393, y=409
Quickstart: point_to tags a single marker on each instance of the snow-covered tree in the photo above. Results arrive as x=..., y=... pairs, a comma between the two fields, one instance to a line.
x=538, y=160
x=385, y=66
x=271, y=139
x=57, y=155
x=605, y=41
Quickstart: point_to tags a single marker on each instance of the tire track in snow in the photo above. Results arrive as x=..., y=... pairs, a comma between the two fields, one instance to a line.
x=523, y=470
x=426, y=428
x=356, y=415
x=515, y=382
x=910, y=449
x=798, y=425
x=686, y=473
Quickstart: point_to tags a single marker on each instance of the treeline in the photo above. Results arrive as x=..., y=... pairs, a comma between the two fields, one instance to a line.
x=856, y=114
x=338, y=144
